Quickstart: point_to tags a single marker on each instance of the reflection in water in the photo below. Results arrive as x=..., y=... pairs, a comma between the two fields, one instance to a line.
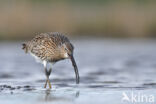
x=51, y=96
x=47, y=95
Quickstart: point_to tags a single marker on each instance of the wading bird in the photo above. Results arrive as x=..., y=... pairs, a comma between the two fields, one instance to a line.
x=48, y=48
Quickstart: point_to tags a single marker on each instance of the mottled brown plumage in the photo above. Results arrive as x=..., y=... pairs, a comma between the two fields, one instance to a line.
x=49, y=48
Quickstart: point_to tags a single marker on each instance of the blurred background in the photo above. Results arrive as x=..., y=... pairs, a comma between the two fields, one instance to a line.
x=22, y=19
x=114, y=44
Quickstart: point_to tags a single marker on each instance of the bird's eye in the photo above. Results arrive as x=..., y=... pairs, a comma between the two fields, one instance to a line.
x=66, y=49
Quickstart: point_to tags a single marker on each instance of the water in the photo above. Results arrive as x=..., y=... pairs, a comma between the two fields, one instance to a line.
x=107, y=68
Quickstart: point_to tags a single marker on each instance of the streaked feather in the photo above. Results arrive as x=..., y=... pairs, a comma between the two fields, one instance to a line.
x=47, y=46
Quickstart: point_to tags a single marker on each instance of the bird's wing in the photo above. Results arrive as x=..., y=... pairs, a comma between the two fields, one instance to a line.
x=42, y=46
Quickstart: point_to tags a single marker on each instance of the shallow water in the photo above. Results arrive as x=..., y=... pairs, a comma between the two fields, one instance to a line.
x=108, y=68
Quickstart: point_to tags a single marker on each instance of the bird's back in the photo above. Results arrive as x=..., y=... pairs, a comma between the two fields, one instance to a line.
x=46, y=46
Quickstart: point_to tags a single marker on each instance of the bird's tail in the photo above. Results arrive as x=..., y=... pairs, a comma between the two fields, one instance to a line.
x=25, y=47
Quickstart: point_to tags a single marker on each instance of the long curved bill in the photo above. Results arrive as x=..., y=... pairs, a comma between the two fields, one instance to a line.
x=75, y=69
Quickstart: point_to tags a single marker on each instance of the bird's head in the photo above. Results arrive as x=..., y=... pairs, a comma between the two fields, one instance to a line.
x=67, y=50
x=68, y=53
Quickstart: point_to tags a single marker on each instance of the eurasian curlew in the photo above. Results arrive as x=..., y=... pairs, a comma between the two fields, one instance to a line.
x=49, y=48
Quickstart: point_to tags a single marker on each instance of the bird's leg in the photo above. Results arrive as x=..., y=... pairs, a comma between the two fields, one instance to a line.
x=46, y=79
x=47, y=75
x=49, y=72
x=45, y=84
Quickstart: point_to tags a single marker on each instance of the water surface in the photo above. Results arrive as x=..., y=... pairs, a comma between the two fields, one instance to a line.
x=108, y=68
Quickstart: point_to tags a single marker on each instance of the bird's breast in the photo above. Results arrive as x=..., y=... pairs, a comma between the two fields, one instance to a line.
x=36, y=58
